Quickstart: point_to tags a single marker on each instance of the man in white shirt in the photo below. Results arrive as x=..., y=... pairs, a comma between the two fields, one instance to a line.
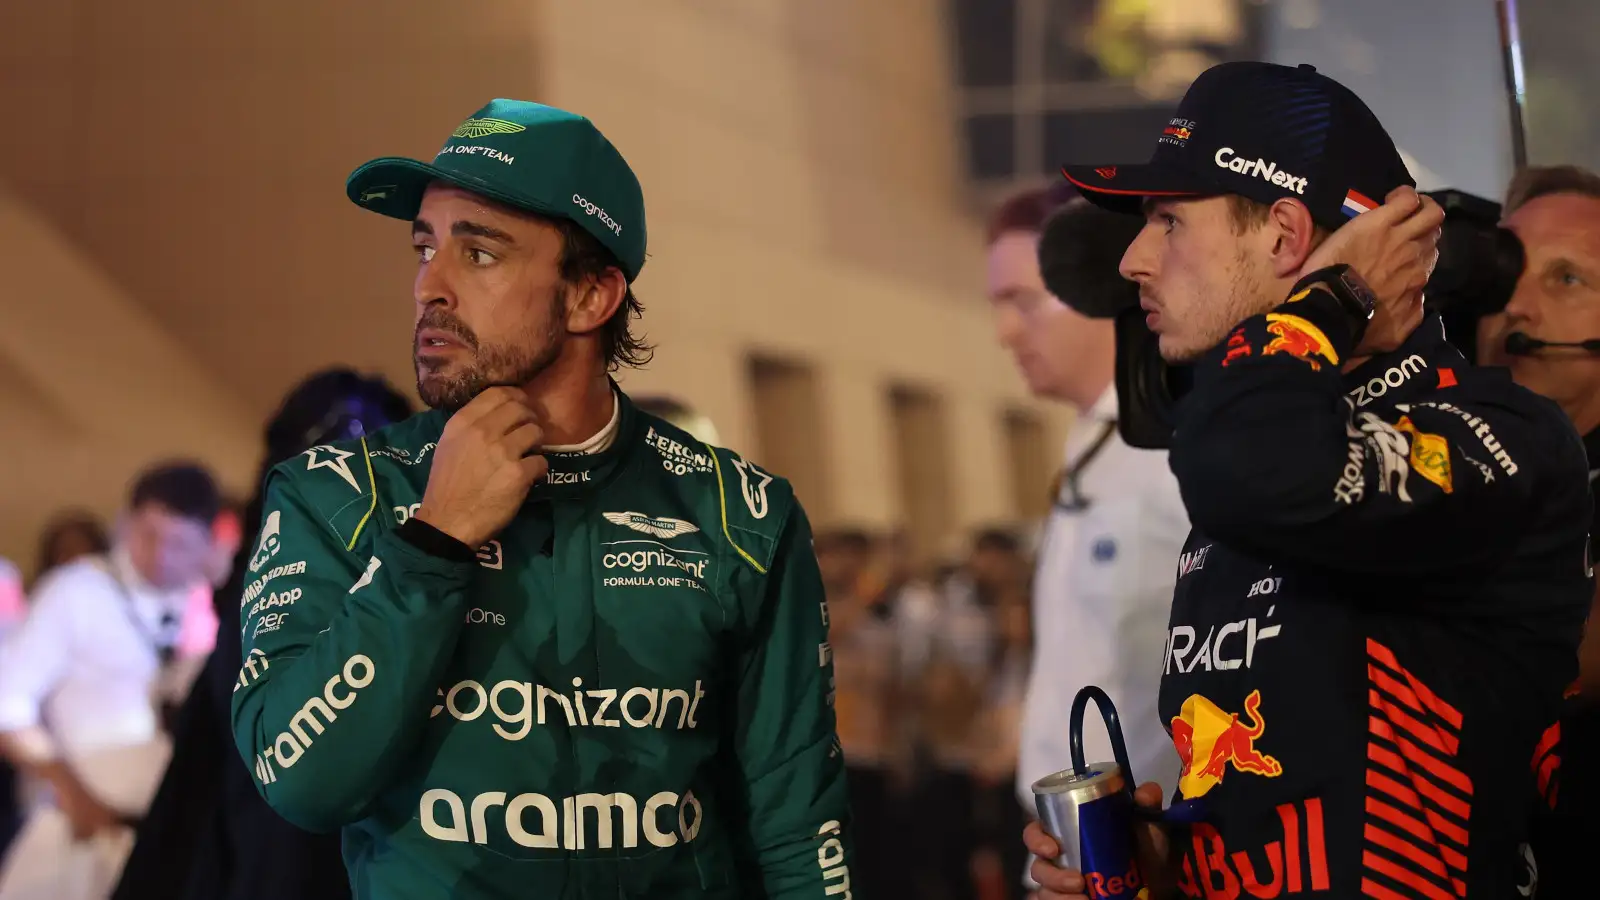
x=1108, y=555
x=78, y=680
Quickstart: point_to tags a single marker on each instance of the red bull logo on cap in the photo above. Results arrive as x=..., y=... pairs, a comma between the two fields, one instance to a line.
x=1300, y=339
x=1208, y=740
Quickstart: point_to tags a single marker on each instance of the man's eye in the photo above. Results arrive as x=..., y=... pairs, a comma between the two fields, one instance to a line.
x=424, y=252
x=1167, y=220
x=1571, y=279
x=480, y=257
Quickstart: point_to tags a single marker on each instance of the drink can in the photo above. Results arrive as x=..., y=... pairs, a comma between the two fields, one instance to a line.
x=1088, y=811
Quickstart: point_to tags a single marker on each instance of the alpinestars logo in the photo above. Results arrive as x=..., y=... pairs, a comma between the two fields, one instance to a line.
x=335, y=459
x=268, y=548
x=660, y=526
x=753, y=485
x=366, y=577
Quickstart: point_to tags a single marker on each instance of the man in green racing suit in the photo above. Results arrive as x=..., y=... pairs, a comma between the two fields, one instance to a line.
x=536, y=643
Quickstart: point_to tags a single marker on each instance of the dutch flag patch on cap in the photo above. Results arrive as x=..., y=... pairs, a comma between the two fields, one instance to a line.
x=1355, y=204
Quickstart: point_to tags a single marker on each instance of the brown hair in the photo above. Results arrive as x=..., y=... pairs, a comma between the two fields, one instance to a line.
x=1248, y=215
x=582, y=255
x=1027, y=210
x=1534, y=182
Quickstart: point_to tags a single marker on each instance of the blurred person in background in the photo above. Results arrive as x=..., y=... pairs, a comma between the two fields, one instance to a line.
x=864, y=647
x=1108, y=555
x=208, y=835
x=1555, y=213
x=525, y=534
x=996, y=576
x=952, y=701
x=13, y=609
x=79, y=682
x=68, y=536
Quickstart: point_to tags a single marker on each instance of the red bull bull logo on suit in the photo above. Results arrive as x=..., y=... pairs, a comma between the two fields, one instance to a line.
x=1300, y=339
x=1209, y=740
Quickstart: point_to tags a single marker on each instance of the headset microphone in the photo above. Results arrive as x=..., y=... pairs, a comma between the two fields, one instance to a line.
x=1519, y=344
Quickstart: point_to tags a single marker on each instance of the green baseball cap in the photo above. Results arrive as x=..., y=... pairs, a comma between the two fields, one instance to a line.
x=528, y=155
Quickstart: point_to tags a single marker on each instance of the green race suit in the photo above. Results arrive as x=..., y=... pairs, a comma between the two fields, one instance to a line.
x=628, y=692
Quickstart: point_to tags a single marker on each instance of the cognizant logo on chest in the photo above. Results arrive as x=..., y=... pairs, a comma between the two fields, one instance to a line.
x=519, y=705
x=645, y=563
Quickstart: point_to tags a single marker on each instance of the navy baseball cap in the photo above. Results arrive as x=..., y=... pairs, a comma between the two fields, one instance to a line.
x=1261, y=131
x=527, y=155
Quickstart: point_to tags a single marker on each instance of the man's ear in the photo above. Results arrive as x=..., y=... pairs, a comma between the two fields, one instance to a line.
x=592, y=301
x=1294, y=236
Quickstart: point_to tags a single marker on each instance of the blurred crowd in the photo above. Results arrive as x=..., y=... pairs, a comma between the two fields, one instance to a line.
x=931, y=668
x=931, y=665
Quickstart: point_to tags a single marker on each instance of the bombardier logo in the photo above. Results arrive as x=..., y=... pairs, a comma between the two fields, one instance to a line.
x=1266, y=171
x=255, y=588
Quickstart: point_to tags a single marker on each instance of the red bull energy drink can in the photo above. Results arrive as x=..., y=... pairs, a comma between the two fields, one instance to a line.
x=1088, y=809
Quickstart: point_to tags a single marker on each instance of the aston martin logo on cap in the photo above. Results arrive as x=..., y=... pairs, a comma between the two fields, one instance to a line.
x=477, y=128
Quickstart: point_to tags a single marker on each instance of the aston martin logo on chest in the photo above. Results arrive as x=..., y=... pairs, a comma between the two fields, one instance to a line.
x=660, y=526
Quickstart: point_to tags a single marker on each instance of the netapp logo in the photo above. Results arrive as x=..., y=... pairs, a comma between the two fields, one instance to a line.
x=1266, y=171
x=593, y=210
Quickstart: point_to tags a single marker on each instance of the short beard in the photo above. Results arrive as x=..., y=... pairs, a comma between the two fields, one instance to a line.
x=492, y=365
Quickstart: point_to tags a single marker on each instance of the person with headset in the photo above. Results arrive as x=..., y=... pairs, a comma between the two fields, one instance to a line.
x=1549, y=335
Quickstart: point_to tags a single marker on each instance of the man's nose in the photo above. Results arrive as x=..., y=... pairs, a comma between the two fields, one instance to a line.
x=1525, y=301
x=1136, y=263
x=432, y=285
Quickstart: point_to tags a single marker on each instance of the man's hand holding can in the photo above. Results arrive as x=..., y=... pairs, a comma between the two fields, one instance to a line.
x=1057, y=883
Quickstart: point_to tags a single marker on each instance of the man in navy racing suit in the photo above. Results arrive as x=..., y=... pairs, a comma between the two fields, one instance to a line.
x=1383, y=594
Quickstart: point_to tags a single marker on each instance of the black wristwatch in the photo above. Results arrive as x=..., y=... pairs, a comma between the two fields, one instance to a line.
x=1355, y=298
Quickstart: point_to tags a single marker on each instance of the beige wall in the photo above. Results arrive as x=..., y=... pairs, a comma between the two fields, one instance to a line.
x=186, y=163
